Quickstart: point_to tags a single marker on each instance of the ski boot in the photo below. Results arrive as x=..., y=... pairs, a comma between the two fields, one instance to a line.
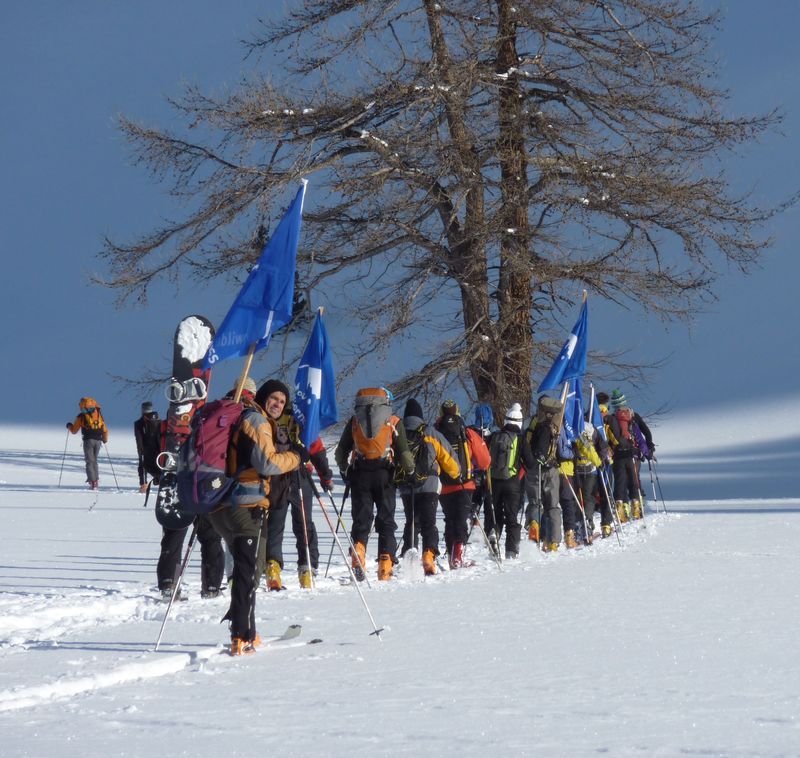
x=533, y=531
x=273, y=576
x=429, y=562
x=359, y=560
x=622, y=511
x=569, y=540
x=457, y=555
x=306, y=577
x=243, y=647
x=606, y=530
x=385, y=567
x=636, y=509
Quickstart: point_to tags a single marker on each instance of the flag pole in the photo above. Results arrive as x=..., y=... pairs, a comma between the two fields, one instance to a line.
x=245, y=371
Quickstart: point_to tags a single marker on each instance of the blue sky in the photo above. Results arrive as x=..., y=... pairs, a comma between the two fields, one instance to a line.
x=67, y=180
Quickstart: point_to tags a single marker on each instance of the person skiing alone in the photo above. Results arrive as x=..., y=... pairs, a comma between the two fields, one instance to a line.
x=94, y=432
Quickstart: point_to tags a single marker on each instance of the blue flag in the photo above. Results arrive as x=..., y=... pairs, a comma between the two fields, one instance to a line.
x=267, y=297
x=571, y=361
x=314, y=402
x=573, y=410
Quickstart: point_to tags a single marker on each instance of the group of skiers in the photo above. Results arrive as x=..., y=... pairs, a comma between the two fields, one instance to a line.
x=467, y=469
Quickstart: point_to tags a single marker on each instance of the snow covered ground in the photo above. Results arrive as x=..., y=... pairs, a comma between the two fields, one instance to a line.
x=682, y=641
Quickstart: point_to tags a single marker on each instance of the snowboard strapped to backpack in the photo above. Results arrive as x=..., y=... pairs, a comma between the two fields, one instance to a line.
x=373, y=426
x=203, y=477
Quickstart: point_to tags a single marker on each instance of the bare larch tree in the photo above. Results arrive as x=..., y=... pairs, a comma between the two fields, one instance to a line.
x=474, y=165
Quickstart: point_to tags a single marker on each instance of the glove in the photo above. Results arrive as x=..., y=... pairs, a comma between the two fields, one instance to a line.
x=296, y=447
x=651, y=455
x=327, y=485
x=345, y=474
x=69, y=425
x=541, y=461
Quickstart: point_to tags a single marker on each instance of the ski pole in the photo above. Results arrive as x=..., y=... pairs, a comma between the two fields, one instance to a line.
x=338, y=521
x=177, y=583
x=540, y=509
x=611, y=506
x=477, y=522
x=112, y=467
x=652, y=482
x=305, y=529
x=63, y=458
x=376, y=631
x=641, y=494
x=147, y=493
x=580, y=505
x=349, y=540
x=658, y=481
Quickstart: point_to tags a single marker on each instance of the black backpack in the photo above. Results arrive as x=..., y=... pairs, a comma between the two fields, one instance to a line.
x=452, y=428
x=424, y=458
x=504, y=449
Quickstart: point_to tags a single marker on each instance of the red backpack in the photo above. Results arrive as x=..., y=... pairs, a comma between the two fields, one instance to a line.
x=625, y=420
x=203, y=478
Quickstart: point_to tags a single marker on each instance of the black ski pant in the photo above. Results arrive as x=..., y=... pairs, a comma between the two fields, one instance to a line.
x=372, y=492
x=212, y=558
x=423, y=517
x=507, y=494
x=456, y=508
x=570, y=510
x=603, y=497
x=241, y=527
x=148, y=466
x=301, y=498
x=585, y=487
x=482, y=497
x=626, y=480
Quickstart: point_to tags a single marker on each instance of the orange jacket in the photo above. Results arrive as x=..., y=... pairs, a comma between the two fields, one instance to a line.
x=92, y=424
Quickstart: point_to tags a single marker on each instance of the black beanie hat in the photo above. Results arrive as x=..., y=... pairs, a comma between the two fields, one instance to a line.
x=147, y=407
x=270, y=386
x=413, y=408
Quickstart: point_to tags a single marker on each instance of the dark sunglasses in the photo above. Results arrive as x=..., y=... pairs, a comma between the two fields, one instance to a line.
x=89, y=410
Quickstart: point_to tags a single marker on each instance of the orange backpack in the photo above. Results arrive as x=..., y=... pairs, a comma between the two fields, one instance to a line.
x=92, y=420
x=373, y=425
